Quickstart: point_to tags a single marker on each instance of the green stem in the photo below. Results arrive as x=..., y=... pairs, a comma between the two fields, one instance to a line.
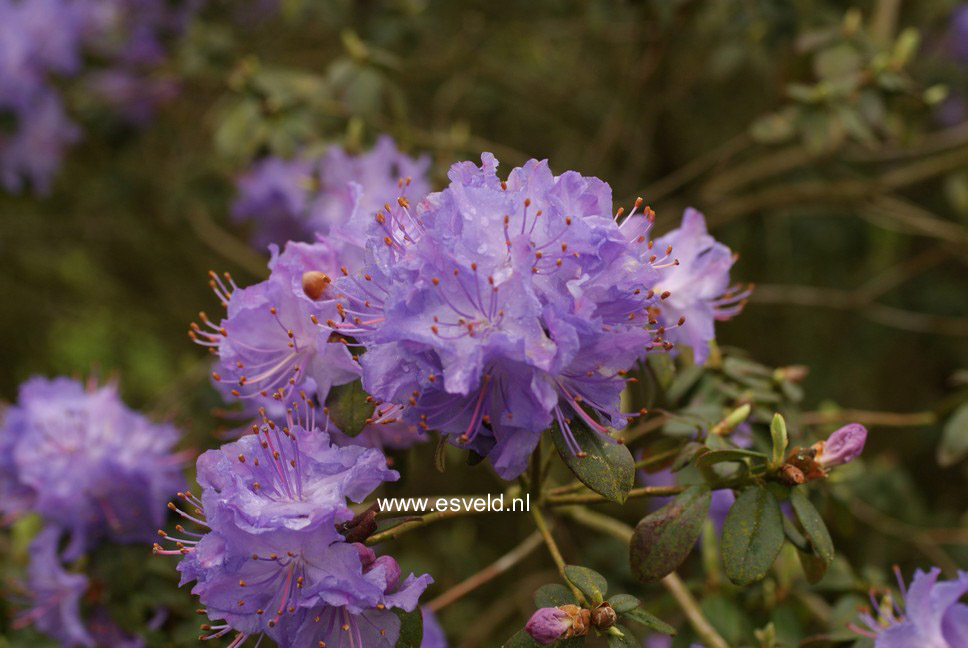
x=545, y=532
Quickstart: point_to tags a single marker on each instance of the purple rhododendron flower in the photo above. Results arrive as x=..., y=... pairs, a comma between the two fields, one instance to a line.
x=930, y=617
x=55, y=593
x=699, y=284
x=87, y=463
x=547, y=624
x=497, y=308
x=842, y=446
x=433, y=634
x=274, y=339
x=332, y=195
x=271, y=559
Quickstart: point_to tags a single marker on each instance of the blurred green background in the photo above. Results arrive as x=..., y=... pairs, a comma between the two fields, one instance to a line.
x=812, y=133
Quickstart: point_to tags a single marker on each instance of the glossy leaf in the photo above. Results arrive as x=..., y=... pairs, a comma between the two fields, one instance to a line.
x=588, y=581
x=813, y=524
x=752, y=535
x=663, y=539
x=607, y=467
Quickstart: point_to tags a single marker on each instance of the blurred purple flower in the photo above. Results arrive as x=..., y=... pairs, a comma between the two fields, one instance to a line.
x=87, y=463
x=929, y=616
x=332, y=196
x=958, y=27
x=43, y=41
x=433, y=634
x=55, y=594
x=270, y=559
x=34, y=150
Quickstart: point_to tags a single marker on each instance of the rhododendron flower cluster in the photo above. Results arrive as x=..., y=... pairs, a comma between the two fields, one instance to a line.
x=86, y=463
x=91, y=469
x=494, y=309
x=271, y=558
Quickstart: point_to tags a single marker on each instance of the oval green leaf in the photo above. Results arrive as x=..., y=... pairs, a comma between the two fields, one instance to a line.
x=733, y=454
x=813, y=524
x=348, y=408
x=813, y=565
x=607, y=467
x=649, y=621
x=622, y=603
x=411, y=628
x=521, y=639
x=663, y=539
x=752, y=535
x=588, y=581
x=553, y=595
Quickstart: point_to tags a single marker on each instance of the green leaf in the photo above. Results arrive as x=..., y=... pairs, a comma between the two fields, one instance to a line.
x=813, y=524
x=733, y=454
x=663, y=539
x=778, y=432
x=589, y=582
x=607, y=468
x=553, y=595
x=688, y=452
x=649, y=621
x=814, y=567
x=521, y=639
x=626, y=640
x=348, y=408
x=411, y=628
x=954, y=439
x=752, y=535
x=622, y=603
x=793, y=534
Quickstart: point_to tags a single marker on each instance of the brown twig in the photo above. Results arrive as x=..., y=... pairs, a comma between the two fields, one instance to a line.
x=495, y=569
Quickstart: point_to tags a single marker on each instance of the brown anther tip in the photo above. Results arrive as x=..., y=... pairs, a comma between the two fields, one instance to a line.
x=665, y=295
x=582, y=454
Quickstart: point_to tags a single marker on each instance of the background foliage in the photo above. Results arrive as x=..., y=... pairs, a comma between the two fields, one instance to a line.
x=816, y=137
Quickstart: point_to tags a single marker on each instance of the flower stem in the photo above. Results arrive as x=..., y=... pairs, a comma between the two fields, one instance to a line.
x=542, y=525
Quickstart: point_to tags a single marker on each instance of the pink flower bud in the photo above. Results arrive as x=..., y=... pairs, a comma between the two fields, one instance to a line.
x=547, y=624
x=842, y=446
